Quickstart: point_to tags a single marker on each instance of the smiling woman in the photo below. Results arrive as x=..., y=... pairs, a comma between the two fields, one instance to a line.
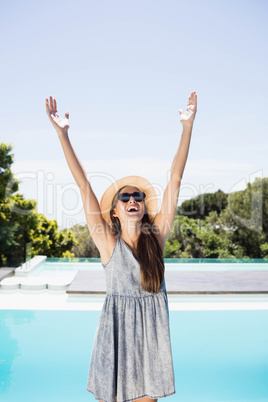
x=130, y=218
x=128, y=204
x=131, y=358
x=126, y=210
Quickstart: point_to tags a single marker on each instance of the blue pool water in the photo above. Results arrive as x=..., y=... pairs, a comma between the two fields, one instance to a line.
x=219, y=356
x=58, y=267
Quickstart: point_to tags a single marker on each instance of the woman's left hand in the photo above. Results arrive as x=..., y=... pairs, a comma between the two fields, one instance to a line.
x=187, y=117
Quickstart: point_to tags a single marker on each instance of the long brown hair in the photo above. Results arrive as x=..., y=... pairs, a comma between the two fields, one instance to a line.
x=148, y=251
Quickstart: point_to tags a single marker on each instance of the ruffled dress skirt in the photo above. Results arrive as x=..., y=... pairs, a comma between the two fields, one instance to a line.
x=131, y=356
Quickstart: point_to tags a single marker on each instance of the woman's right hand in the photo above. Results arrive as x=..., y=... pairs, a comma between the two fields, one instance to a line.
x=60, y=125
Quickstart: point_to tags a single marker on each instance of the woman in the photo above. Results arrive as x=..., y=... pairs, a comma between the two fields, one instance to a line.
x=131, y=357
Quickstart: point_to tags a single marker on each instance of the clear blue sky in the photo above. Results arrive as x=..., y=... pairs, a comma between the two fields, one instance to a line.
x=123, y=69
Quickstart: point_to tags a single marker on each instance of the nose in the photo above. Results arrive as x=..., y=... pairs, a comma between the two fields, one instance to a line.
x=132, y=199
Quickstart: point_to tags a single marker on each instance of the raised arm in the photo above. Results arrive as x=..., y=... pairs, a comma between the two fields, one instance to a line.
x=99, y=229
x=165, y=216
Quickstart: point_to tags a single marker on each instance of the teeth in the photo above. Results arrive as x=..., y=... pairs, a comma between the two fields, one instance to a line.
x=132, y=208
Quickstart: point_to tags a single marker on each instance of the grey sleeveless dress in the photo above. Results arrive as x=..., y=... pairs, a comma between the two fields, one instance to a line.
x=131, y=356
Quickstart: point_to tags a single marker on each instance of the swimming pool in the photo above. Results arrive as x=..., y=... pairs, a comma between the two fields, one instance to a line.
x=219, y=342
x=219, y=356
x=57, y=267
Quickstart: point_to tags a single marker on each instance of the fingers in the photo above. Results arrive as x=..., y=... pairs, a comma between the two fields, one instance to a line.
x=189, y=115
x=192, y=100
x=55, y=106
x=51, y=108
x=51, y=104
x=48, y=108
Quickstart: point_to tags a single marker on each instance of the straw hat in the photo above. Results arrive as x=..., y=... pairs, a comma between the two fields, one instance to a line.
x=144, y=185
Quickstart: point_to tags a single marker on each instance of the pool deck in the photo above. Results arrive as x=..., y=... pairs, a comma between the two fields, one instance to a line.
x=184, y=282
x=5, y=272
x=187, y=290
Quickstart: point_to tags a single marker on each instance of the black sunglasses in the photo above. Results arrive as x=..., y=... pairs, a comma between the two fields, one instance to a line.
x=125, y=197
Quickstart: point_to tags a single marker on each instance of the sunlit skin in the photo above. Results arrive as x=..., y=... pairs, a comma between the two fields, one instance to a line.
x=130, y=222
x=103, y=238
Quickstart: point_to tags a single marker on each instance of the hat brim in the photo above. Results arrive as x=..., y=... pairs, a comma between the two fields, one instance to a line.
x=141, y=183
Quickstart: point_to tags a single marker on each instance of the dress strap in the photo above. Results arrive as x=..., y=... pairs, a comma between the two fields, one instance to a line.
x=115, y=246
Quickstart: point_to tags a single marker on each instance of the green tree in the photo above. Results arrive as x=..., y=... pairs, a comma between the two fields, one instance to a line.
x=264, y=250
x=182, y=241
x=47, y=240
x=199, y=238
x=84, y=245
x=8, y=184
x=222, y=244
x=222, y=225
x=247, y=217
x=200, y=206
x=23, y=232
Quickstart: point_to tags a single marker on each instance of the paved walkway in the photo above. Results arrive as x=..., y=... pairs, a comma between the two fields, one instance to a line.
x=184, y=282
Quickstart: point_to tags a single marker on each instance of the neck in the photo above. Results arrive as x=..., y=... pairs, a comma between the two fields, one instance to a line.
x=131, y=232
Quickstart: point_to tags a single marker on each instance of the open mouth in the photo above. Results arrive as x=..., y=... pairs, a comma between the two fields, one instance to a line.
x=132, y=209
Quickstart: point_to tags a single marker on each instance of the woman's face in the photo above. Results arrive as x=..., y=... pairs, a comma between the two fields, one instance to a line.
x=131, y=210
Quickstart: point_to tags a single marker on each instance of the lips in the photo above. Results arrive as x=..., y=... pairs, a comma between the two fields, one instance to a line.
x=132, y=209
